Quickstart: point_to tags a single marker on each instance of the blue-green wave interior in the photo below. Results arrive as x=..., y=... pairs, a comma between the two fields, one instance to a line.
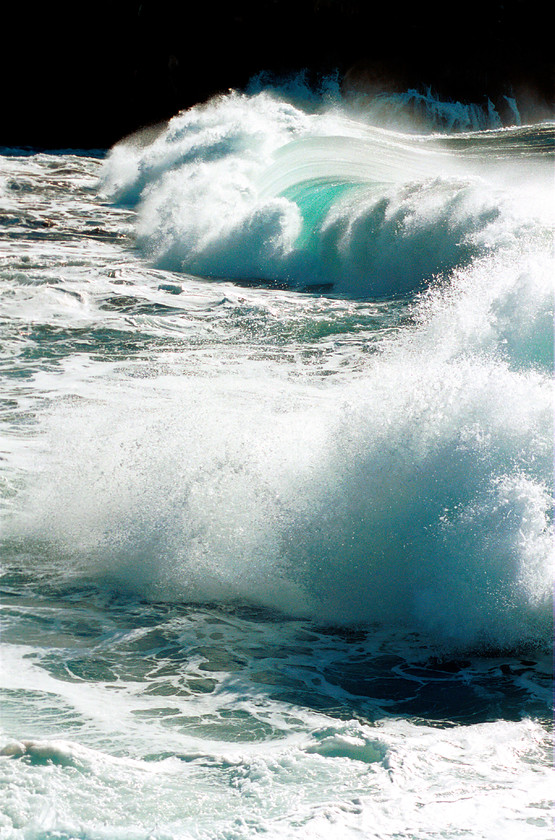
x=314, y=199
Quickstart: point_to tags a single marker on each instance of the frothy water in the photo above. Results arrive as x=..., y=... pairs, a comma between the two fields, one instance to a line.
x=254, y=188
x=277, y=479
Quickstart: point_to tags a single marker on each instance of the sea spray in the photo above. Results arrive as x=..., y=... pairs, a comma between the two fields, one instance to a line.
x=417, y=494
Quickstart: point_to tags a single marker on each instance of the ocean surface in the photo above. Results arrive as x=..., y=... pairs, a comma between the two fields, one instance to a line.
x=276, y=476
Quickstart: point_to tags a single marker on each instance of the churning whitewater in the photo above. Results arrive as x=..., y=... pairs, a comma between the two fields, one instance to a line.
x=277, y=476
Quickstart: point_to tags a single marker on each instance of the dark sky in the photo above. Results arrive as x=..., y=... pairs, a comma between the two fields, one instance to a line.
x=86, y=74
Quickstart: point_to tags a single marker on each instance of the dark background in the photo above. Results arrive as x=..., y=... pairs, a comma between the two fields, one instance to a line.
x=84, y=75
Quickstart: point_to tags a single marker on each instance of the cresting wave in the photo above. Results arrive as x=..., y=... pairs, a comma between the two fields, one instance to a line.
x=418, y=492
x=258, y=188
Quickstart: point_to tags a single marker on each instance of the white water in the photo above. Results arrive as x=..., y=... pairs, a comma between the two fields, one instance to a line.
x=243, y=521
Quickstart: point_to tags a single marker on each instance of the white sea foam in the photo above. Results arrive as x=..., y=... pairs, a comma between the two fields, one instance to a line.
x=366, y=781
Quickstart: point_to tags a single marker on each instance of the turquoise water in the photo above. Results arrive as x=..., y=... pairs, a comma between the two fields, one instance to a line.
x=276, y=477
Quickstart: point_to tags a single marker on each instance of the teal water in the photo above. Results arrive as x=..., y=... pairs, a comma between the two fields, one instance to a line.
x=276, y=481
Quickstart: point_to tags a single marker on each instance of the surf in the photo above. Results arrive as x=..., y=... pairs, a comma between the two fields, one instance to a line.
x=258, y=188
x=380, y=450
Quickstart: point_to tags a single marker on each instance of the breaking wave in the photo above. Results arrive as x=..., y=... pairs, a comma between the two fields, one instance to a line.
x=417, y=493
